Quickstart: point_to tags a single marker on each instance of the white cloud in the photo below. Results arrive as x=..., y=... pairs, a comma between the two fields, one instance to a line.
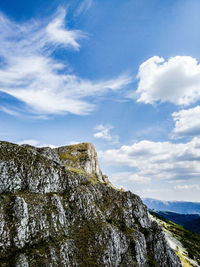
x=157, y=160
x=73, y=143
x=36, y=143
x=83, y=7
x=30, y=72
x=176, y=80
x=9, y=111
x=103, y=132
x=129, y=177
x=58, y=34
x=31, y=142
x=153, y=190
x=187, y=123
x=187, y=187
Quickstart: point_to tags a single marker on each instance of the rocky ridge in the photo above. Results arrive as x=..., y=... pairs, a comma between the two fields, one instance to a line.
x=58, y=209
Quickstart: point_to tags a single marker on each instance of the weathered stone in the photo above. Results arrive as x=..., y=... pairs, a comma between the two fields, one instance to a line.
x=58, y=209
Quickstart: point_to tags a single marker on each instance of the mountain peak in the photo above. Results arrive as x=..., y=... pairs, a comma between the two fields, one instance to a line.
x=56, y=209
x=83, y=157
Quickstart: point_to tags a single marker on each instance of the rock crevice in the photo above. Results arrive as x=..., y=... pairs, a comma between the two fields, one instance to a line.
x=58, y=209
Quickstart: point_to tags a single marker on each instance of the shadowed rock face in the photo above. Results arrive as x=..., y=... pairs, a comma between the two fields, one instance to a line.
x=58, y=209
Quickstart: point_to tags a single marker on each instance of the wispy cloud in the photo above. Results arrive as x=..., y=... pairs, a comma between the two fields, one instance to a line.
x=104, y=132
x=9, y=111
x=30, y=72
x=83, y=7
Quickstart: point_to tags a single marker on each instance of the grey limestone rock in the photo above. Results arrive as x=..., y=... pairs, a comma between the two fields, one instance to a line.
x=58, y=209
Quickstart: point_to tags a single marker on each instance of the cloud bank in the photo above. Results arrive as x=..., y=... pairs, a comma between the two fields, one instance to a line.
x=157, y=160
x=176, y=80
x=120, y=177
x=30, y=72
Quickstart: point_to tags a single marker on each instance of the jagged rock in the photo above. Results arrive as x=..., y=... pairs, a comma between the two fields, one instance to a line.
x=83, y=157
x=58, y=209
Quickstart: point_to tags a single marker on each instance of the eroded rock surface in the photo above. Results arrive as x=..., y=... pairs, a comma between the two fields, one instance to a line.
x=58, y=209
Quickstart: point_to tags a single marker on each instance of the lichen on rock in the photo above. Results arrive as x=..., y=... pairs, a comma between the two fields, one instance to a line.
x=58, y=209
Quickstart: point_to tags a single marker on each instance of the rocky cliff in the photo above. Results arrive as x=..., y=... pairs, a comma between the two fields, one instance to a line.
x=58, y=209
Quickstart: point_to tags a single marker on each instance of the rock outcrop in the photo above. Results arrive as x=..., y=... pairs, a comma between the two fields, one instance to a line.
x=58, y=209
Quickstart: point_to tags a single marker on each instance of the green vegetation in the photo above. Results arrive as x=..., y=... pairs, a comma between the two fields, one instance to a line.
x=92, y=179
x=10, y=151
x=188, y=221
x=183, y=260
x=67, y=156
x=23, y=157
x=70, y=153
x=74, y=157
x=80, y=147
x=88, y=247
x=189, y=240
x=151, y=260
x=78, y=171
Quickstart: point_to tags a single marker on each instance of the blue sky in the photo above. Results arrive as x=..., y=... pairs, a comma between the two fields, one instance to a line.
x=124, y=75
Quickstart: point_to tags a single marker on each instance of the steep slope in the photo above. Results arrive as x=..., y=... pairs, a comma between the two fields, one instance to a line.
x=193, y=225
x=183, y=207
x=58, y=209
x=188, y=221
x=183, y=241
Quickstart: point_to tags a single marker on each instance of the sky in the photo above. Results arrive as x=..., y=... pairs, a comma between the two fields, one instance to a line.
x=123, y=75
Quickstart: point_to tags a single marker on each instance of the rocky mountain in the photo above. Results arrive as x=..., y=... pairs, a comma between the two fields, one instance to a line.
x=58, y=209
x=183, y=207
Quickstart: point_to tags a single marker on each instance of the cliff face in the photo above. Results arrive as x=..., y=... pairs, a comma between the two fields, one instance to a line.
x=58, y=209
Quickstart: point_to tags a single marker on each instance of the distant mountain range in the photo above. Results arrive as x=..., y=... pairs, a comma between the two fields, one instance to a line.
x=173, y=206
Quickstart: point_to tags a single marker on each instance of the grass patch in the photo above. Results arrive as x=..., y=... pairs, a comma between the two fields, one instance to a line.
x=86, y=241
x=67, y=156
x=183, y=260
x=74, y=153
x=92, y=179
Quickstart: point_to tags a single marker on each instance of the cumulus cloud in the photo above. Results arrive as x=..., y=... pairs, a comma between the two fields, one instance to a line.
x=104, y=132
x=30, y=73
x=176, y=80
x=158, y=160
x=129, y=177
x=187, y=123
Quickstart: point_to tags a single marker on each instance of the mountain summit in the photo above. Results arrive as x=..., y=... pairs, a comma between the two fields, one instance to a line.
x=58, y=209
